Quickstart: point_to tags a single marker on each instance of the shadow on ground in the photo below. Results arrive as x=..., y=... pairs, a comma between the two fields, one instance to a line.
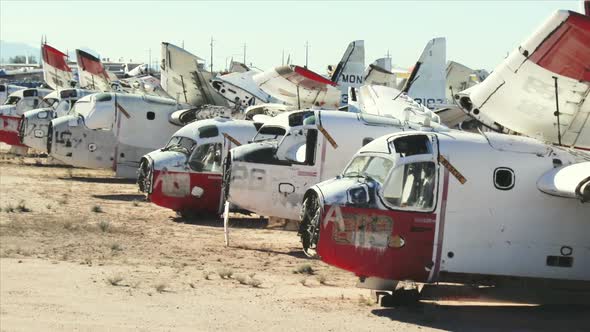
x=98, y=179
x=122, y=197
x=491, y=317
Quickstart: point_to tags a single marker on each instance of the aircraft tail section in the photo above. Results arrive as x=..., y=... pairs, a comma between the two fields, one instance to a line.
x=91, y=72
x=426, y=83
x=350, y=69
x=184, y=78
x=56, y=72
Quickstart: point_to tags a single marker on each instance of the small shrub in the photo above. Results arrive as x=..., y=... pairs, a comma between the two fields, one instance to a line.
x=366, y=301
x=116, y=247
x=48, y=206
x=242, y=279
x=68, y=225
x=104, y=226
x=207, y=275
x=115, y=280
x=161, y=287
x=303, y=281
x=22, y=207
x=97, y=209
x=9, y=208
x=322, y=279
x=225, y=273
x=135, y=203
x=304, y=269
x=254, y=282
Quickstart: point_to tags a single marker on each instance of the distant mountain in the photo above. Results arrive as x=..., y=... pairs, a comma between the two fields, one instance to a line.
x=12, y=49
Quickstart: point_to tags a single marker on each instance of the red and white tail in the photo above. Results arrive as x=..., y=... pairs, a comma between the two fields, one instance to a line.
x=56, y=72
x=91, y=72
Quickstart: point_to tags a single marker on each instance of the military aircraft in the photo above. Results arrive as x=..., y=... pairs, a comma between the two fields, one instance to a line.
x=113, y=130
x=15, y=105
x=34, y=124
x=315, y=146
x=6, y=90
x=295, y=86
x=541, y=89
x=471, y=208
x=185, y=175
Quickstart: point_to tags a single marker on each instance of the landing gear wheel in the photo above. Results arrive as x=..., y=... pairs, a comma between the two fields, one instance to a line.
x=309, y=230
x=401, y=297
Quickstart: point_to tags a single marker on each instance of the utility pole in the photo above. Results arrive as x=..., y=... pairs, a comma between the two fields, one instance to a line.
x=306, y=53
x=211, y=54
x=244, y=54
x=150, y=62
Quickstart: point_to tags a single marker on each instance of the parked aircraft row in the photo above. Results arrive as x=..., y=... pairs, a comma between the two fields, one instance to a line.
x=444, y=175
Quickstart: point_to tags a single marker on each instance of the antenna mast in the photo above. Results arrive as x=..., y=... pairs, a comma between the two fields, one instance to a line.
x=211, y=64
x=306, y=53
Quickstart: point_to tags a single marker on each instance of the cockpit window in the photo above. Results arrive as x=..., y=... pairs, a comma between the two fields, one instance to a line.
x=376, y=168
x=12, y=100
x=407, y=146
x=411, y=186
x=269, y=132
x=63, y=107
x=181, y=144
x=206, y=158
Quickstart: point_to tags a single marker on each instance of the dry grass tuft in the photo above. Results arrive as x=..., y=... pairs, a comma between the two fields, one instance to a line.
x=322, y=279
x=366, y=301
x=161, y=287
x=115, y=280
x=116, y=247
x=304, y=269
x=225, y=273
x=104, y=226
x=97, y=209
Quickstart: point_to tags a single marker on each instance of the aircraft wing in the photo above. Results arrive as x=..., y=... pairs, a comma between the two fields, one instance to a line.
x=184, y=80
x=299, y=87
x=520, y=94
x=390, y=102
x=572, y=181
x=56, y=72
x=91, y=73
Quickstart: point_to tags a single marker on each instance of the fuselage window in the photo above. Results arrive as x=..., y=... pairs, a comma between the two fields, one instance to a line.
x=412, y=145
x=504, y=178
x=411, y=186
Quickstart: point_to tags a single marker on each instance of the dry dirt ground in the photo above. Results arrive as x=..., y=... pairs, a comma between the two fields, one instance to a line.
x=80, y=250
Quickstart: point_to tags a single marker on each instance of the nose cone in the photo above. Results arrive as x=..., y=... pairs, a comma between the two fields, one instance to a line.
x=156, y=161
x=34, y=128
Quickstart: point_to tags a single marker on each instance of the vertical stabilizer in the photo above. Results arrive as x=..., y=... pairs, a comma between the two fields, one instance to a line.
x=426, y=83
x=350, y=69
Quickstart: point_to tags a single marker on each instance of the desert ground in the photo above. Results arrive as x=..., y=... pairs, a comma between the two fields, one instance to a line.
x=81, y=250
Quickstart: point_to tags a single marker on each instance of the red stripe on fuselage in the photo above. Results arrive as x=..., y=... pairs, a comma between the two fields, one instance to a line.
x=9, y=130
x=566, y=51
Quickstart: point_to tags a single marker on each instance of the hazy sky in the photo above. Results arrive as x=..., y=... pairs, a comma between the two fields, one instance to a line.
x=479, y=33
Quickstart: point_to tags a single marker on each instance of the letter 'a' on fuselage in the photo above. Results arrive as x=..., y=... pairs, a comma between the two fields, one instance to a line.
x=520, y=94
x=312, y=146
x=456, y=207
x=186, y=175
